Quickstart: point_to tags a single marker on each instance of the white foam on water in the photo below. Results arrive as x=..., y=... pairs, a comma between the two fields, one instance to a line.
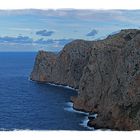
x=23, y=130
x=14, y=129
x=59, y=85
x=84, y=123
x=69, y=107
x=3, y=129
x=94, y=115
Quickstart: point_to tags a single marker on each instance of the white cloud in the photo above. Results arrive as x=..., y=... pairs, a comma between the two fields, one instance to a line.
x=20, y=29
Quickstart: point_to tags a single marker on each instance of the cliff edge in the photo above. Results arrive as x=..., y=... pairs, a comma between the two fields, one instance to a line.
x=106, y=74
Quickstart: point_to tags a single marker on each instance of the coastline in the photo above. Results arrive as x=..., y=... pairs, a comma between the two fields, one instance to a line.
x=106, y=74
x=85, y=121
x=69, y=106
x=63, y=86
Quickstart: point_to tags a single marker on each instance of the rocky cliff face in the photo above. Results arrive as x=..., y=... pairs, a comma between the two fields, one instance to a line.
x=43, y=66
x=63, y=68
x=106, y=73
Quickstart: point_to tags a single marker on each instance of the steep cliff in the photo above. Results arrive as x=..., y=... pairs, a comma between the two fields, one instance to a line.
x=63, y=68
x=106, y=73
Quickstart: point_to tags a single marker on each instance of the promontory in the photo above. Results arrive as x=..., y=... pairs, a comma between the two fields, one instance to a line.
x=106, y=74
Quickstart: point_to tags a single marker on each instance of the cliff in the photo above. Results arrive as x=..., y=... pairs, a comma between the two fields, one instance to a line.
x=63, y=68
x=106, y=74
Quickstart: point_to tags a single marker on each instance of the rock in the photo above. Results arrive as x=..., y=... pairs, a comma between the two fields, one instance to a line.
x=64, y=68
x=106, y=74
x=43, y=66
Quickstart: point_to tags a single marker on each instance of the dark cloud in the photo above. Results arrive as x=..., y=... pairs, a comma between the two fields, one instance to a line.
x=18, y=39
x=92, y=33
x=44, y=33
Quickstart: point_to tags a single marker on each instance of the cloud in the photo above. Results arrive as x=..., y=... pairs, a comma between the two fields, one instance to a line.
x=27, y=40
x=92, y=33
x=131, y=16
x=20, y=29
x=114, y=32
x=18, y=39
x=60, y=42
x=44, y=33
x=64, y=41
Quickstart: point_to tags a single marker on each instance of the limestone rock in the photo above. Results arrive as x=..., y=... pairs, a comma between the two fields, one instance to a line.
x=106, y=73
x=64, y=68
x=43, y=66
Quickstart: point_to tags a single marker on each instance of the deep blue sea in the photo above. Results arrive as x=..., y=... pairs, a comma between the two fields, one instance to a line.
x=29, y=105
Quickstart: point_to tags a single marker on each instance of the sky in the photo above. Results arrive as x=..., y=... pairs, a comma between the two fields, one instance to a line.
x=33, y=30
x=125, y=19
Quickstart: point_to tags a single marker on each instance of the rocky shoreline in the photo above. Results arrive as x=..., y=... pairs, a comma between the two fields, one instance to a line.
x=106, y=74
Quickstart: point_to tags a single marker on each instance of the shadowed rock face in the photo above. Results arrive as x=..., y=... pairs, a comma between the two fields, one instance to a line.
x=106, y=73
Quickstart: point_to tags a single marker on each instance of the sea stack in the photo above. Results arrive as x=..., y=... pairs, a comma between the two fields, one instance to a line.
x=105, y=72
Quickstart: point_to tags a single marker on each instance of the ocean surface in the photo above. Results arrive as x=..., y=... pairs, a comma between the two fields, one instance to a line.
x=25, y=104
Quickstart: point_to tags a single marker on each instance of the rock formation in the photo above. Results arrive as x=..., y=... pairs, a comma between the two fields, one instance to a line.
x=64, y=68
x=106, y=74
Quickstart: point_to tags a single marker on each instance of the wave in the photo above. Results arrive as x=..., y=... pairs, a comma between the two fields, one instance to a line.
x=56, y=85
x=84, y=123
x=63, y=86
x=69, y=107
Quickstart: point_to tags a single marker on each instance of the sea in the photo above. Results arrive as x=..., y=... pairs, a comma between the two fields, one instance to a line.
x=28, y=105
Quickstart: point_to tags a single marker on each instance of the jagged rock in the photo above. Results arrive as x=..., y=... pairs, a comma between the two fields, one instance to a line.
x=106, y=73
x=64, y=68
x=43, y=66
